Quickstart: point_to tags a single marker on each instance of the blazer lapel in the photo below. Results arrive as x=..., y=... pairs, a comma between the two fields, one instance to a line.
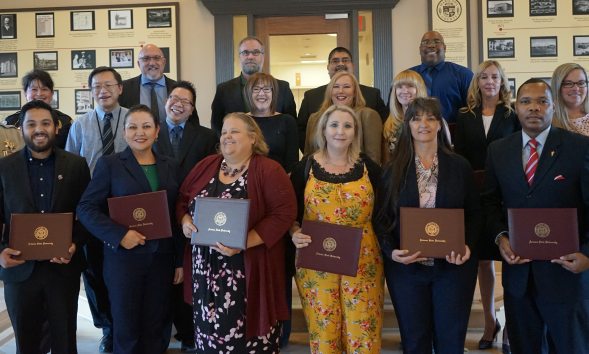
x=550, y=153
x=21, y=173
x=443, y=177
x=136, y=89
x=163, y=141
x=131, y=164
x=188, y=136
x=411, y=194
x=60, y=175
x=479, y=126
x=514, y=160
x=162, y=171
x=236, y=99
x=498, y=117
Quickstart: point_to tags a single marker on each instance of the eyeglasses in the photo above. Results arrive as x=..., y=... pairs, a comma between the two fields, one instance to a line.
x=175, y=99
x=434, y=42
x=107, y=87
x=155, y=58
x=338, y=60
x=266, y=89
x=570, y=84
x=246, y=53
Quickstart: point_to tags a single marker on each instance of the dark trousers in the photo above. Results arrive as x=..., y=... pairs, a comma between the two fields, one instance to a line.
x=140, y=293
x=96, y=291
x=45, y=296
x=432, y=304
x=530, y=318
x=181, y=315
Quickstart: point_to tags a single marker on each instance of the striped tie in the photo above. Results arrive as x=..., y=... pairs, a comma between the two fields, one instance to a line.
x=429, y=80
x=108, y=147
x=532, y=161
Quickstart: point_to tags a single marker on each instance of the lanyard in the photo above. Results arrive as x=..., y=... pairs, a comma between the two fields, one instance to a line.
x=100, y=129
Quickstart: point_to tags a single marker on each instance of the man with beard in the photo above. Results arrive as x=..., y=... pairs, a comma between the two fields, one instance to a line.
x=7, y=28
x=42, y=178
x=229, y=96
x=152, y=87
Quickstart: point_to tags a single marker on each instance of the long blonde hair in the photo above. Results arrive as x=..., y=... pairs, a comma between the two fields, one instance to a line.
x=397, y=116
x=475, y=99
x=321, y=142
x=561, y=113
x=357, y=102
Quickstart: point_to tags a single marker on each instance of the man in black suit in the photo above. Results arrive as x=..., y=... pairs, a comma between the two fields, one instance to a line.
x=42, y=178
x=340, y=59
x=229, y=96
x=541, y=296
x=7, y=27
x=152, y=87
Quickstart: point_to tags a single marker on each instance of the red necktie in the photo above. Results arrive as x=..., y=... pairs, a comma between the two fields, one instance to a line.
x=532, y=161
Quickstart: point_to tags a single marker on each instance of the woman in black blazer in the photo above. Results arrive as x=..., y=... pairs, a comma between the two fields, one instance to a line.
x=432, y=297
x=138, y=273
x=488, y=117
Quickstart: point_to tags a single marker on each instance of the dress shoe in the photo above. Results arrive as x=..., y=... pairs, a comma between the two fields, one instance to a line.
x=505, y=349
x=488, y=344
x=187, y=346
x=106, y=344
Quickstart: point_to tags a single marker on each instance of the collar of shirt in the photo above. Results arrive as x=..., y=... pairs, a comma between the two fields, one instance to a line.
x=100, y=113
x=31, y=159
x=423, y=68
x=243, y=80
x=172, y=126
x=161, y=82
x=541, y=138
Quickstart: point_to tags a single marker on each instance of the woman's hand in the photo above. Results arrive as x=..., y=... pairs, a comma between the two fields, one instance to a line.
x=226, y=251
x=132, y=238
x=401, y=257
x=457, y=259
x=299, y=239
x=178, y=275
x=188, y=226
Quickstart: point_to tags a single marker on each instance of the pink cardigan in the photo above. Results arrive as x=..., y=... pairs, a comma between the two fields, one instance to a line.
x=273, y=209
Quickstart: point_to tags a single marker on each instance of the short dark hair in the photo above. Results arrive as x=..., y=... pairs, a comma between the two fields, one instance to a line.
x=37, y=104
x=37, y=75
x=534, y=81
x=187, y=85
x=339, y=50
x=140, y=108
x=252, y=38
x=102, y=69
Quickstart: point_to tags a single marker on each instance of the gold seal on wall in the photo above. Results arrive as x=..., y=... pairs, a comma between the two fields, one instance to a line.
x=542, y=230
x=41, y=233
x=139, y=214
x=329, y=244
x=432, y=229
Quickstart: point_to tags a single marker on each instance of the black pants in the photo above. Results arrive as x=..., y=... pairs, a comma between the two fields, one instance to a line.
x=181, y=316
x=96, y=291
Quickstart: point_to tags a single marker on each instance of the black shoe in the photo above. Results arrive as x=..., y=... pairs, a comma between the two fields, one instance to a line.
x=106, y=344
x=187, y=346
x=505, y=349
x=488, y=344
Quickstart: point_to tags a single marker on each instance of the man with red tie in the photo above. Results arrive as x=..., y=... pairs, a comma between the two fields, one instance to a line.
x=541, y=167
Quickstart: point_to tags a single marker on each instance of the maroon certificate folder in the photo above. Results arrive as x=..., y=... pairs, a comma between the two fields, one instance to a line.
x=41, y=236
x=334, y=248
x=146, y=213
x=543, y=234
x=436, y=232
x=221, y=220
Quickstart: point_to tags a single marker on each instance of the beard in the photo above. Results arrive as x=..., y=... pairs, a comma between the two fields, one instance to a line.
x=36, y=147
x=250, y=68
x=153, y=77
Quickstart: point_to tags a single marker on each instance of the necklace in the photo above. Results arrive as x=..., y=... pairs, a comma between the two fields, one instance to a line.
x=228, y=171
x=332, y=164
x=144, y=168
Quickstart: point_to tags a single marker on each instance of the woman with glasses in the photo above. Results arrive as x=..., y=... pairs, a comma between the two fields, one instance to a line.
x=569, y=86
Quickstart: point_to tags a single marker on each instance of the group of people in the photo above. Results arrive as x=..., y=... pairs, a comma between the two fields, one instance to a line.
x=362, y=162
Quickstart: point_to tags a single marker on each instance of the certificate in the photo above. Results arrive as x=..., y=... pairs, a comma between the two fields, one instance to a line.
x=221, y=220
x=41, y=236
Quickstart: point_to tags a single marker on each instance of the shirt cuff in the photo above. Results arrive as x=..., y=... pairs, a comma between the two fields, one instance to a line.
x=502, y=233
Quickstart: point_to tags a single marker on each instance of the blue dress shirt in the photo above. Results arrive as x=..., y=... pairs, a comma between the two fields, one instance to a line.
x=160, y=91
x=172, y=126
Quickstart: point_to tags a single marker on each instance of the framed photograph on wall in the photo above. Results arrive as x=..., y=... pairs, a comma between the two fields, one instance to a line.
x=55, y=100
x=542, y=7
x=159, y=17
x=166, y=52
x=581, y=46
x=512, y=87
x=82, y=20
x=120, y=19
x=83, y=59
x=8, y=23
x=580, y=7
x=543, y=47
x=45, y=60
x=45, y=24
x=121, y=58
x=84, y=101
x=10, y=100
x=501, y=47
x=8, y=65
x=501, y=8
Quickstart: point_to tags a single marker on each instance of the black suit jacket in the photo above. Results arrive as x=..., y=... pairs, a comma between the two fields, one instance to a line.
x=197, y=143
x=565, y=153
x=65, y=123
x=16, y=198
x=228, y=100
x=7, y=32
x=131, y=94
x=314, y=98
x=470, y=140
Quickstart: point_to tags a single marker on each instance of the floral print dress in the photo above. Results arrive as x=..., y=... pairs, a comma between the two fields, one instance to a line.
x=219, y=291
x=343, y=313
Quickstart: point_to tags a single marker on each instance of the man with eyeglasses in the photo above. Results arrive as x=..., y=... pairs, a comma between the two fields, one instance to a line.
x=152, y=87
x=95, y=134
x=448, y=82
x=229, y=97
x=188, y=142
x=339, y=60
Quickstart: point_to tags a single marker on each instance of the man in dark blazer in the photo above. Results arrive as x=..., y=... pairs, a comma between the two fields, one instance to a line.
x=187, y=142
x=152, y=87
x=42, y=179
x=229, y=96
x=340, y=59
x=541, y=296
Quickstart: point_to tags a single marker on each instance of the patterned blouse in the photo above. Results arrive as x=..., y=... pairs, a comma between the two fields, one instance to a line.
x=427, y=184
x=582, y=124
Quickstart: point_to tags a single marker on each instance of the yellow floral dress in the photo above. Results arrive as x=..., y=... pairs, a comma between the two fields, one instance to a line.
x=343, y=313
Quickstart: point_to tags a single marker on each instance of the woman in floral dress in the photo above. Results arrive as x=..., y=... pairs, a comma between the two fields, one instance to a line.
x=335, y=185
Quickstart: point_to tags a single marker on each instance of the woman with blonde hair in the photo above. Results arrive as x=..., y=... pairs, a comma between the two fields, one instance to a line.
x=569, y=87
x=343, y=89
x=406, y=86
x=336, y=185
